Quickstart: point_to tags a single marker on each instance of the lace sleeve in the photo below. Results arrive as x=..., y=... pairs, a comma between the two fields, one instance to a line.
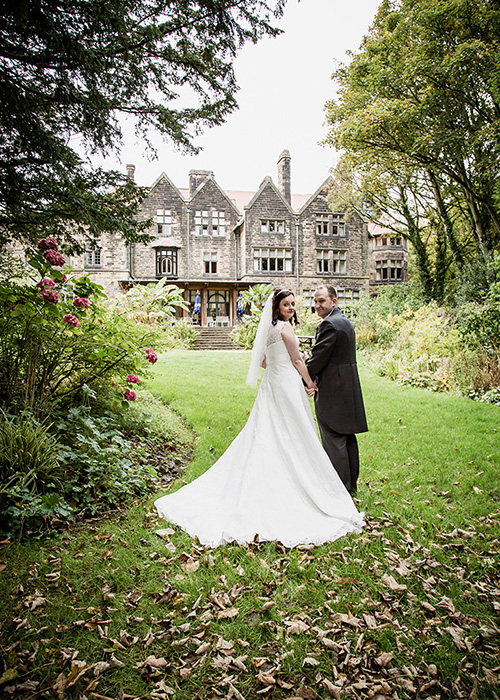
x=275, y=332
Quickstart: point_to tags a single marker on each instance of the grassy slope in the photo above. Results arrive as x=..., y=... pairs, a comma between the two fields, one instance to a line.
x=243, y=620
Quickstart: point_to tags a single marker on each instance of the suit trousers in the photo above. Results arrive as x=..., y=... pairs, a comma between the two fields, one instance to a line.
x=342, y=449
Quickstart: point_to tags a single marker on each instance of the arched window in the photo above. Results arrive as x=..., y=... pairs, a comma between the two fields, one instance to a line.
x=166, y=262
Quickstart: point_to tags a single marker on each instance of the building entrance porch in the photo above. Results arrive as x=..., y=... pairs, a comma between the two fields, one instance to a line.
x=212, y=304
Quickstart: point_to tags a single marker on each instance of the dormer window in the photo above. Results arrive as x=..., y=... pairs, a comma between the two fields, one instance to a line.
x=210, y=223
x=218, y=223
x=272, y=226
x=330, y=225
x=163, y=222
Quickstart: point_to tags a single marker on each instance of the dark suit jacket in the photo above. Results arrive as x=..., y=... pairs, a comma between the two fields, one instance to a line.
x=339, y=402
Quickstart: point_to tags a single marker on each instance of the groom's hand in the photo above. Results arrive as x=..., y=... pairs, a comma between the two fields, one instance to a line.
x=310, y=391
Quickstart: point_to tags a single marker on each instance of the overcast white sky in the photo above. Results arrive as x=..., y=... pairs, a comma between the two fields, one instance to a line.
x=284, y=84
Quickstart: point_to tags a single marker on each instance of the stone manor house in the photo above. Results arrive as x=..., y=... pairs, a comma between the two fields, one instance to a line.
x=218, y=243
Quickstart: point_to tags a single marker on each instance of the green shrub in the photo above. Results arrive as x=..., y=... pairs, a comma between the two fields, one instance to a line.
x=31, y=477
x=96, y=455
x=150, y=417
x=153, y=303
x=375, y=318
x=253, y=299
x=244, y=333
x=90, y=459
x=308, y=319
x=26, y=448
x=180, y=335
x=480, y=323
x=56, y=335
x=424, y=348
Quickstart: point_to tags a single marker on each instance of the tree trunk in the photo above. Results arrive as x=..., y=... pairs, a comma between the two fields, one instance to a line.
x=447, y=222
x=423, y=262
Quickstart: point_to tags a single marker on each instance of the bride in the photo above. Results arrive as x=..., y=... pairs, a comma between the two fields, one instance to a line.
x=275, y=481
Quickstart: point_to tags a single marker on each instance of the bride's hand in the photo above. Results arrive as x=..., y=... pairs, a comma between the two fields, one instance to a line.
x=311, y=390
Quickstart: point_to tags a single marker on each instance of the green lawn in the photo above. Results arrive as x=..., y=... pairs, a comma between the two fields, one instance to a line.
x=425, y=454
x=407, y=609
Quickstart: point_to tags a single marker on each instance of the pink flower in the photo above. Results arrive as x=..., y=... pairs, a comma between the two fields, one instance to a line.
x=48, y=243
x=132, y=379
x=49, y=295
x=130, y=395
x=81, y=302
x=151, y=356
x=64, y=278
x=46, y=282
x=70, y=320
x=54, y=258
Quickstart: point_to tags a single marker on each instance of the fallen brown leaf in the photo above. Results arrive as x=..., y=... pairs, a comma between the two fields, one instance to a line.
x=391, y=583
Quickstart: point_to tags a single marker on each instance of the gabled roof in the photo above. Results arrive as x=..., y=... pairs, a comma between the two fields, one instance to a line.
x=324, y=185
x=238, y=199
x=210, y=178
x=266, y=182
x=164, y=176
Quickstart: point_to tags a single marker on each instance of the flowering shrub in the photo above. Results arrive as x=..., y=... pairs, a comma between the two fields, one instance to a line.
x=54, y=258
x=48, y=243
x=70, y=320
x=56, y=336
x=151, y=356
x=49, y=294
x=81, y=303
x=46, y=282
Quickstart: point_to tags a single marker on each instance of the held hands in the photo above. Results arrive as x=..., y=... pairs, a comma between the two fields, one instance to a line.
x=311, y=390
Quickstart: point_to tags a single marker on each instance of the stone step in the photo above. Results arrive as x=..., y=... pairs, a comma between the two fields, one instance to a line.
x=214, y=339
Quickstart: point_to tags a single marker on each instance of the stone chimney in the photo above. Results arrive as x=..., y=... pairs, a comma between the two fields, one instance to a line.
x=131, y=172
x=196, y=177
x=284, y=175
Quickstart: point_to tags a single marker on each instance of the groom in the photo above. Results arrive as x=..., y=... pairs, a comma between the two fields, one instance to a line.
x=338, y=401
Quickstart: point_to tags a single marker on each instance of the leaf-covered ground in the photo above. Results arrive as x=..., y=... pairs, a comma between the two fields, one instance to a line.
x=127, y=607
x=380, y=615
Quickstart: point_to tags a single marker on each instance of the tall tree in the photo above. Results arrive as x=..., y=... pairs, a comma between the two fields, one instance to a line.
x=424, y=91
x=73, y=67
x=400, y=198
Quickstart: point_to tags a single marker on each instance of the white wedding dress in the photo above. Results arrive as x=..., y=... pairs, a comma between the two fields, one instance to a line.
x=274, y=480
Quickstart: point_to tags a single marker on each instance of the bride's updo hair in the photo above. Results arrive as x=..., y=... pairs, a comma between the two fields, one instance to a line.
x=279, y=295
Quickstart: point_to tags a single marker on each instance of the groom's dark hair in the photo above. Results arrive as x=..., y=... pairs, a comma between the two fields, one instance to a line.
x=332, y=292
x=280, y=294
